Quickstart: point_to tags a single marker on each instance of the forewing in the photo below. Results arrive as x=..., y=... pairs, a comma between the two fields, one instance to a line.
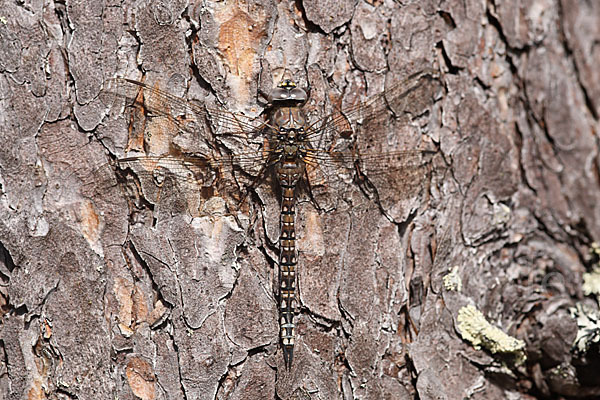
x=160, y=121
x=401, y=103
x=377, y=143
x=190, y=154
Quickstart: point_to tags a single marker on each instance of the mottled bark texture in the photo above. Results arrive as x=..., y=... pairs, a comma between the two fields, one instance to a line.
x=107, y=294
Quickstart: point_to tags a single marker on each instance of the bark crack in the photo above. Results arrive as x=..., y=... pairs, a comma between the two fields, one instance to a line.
x=573, y=62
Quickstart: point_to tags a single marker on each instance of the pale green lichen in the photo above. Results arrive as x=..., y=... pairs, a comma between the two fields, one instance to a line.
x=480, y=333
x=588, y=322
x=501, y=214
x=452, y=281
x=595, y=248
x=3, y=20
x=586, y=316
x=591, y=280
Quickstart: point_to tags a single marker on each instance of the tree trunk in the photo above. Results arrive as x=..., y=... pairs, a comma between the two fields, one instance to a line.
x=478, y=284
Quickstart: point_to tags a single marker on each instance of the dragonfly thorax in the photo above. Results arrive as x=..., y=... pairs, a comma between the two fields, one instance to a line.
x=290, y=137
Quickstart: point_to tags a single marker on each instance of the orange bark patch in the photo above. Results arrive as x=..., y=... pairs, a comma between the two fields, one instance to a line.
x=157, y=312
x=123, y=290
x=90, y=222
x=36, y=392
x=46, y=329
x=140, y=308
x=238, y=40
x=136, y=132
x=151, y=135
x=133, y=307
x=141, y=378
x=312, y=242
x=91, y=225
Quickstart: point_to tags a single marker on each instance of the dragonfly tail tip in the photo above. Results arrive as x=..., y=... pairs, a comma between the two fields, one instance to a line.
x=288, y=355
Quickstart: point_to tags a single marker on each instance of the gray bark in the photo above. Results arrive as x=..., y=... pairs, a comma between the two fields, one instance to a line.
x=106, y=294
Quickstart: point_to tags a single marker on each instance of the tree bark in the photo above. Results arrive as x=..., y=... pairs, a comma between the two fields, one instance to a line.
x=479, y=286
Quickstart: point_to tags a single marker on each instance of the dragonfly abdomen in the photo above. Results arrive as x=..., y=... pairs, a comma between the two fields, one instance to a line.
x=288, y=175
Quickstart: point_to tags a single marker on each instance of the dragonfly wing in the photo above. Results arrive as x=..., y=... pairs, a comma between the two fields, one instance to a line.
x=377, y=144
x=398, y=105
x=183, y=184
x=395, y=181
x=399, y=173
x=190, y=153
x=160, y=120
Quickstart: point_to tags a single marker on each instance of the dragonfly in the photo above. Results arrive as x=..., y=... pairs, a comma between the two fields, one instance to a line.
x=185, y=146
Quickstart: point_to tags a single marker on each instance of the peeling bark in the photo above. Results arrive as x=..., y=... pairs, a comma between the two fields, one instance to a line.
x=107, y=292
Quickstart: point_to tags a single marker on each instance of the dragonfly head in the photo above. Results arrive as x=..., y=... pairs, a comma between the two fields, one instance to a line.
x=287, y=92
